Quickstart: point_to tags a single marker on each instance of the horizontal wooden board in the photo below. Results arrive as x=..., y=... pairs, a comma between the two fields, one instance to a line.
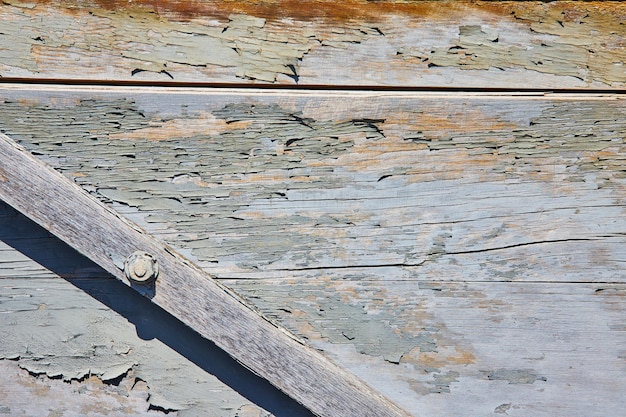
x=464, y=254
x=256, y=185
x=496, y=44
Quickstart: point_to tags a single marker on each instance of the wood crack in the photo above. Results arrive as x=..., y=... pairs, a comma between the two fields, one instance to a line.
x=517, y=245
x=432, y=257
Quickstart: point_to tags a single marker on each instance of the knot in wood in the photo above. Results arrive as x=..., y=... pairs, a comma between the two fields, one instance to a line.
x=141, y=267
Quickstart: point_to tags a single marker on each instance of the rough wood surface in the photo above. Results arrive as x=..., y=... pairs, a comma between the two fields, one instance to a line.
x=464, y=254
x=68, y=212
x=383, y=43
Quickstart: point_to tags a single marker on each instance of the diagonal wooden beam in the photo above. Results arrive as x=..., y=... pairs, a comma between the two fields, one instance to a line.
x=184, y=290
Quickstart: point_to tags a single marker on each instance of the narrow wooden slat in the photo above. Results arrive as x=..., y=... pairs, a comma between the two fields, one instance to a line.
x=185, y=291
x=506, y=44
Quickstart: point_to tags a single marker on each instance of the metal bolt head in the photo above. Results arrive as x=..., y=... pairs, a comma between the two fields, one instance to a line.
x=141, y=267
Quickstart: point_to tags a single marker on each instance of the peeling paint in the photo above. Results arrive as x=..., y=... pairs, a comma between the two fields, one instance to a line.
x=210, y=193
x=242, y=45
x=28, y=393
x=318, y=42
x=89, y=341
x=441, y=382
x=275, y=155
x=480, y=48
x=371, y=334
x=273, y=138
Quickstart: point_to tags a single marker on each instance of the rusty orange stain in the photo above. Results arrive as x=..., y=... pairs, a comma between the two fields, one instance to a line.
x=332, y=10
x=433, y=360
x=271, y=9
x=28, y=102
x=36, y=387
x=440, y=121
x=441, y=359
x=203, y=124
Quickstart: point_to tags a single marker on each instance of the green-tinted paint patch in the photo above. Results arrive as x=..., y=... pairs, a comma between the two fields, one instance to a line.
x=441, y=382
x=374, y=329
x=436, y=382
x=61, y=333
x=66, y=127
x=372, y=334
x=514, y=376
x=38, y=40
x=550, y=45
x=243, y=42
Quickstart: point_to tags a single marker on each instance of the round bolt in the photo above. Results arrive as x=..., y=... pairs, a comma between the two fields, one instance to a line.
x=141, y=267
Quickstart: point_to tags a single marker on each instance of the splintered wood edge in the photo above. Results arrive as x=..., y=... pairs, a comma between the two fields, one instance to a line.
x=184, y=290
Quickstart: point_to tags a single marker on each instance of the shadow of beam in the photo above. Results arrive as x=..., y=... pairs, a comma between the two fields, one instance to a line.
x=150, y=320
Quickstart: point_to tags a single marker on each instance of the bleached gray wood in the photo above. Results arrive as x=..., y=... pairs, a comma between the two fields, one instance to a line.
x=64, y=209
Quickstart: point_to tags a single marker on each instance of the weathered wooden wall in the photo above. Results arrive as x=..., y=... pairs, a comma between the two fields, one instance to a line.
x=462, y=252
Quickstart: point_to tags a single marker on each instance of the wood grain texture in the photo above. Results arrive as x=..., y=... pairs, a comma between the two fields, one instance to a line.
x=464, y=254
x=458, y=348
x=254, y=185
x=318, y=42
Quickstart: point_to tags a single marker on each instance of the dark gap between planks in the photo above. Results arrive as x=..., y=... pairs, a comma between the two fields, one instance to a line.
x=303, y=87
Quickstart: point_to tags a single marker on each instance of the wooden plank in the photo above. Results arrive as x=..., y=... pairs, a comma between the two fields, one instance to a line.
x=462, y=348
x=182, y=289
x=251, y=184
x=501, y=44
